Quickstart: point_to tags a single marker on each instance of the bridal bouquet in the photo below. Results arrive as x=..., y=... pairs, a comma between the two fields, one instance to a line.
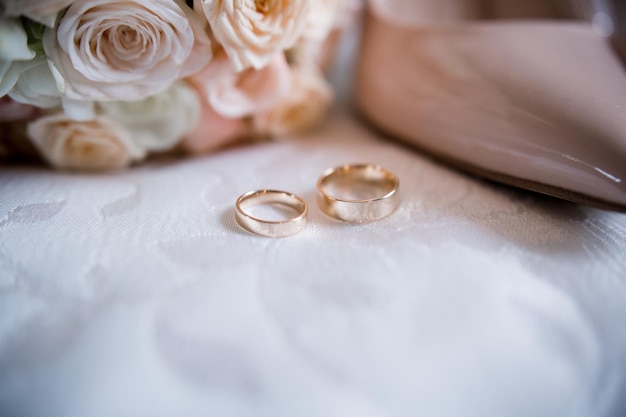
x=101, y=84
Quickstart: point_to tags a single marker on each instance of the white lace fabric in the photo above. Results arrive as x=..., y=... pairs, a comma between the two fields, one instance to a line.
x=135, y=293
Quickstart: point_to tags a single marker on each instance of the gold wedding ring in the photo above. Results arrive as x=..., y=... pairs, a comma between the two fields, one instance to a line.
x=358, y=193
x=271, y=228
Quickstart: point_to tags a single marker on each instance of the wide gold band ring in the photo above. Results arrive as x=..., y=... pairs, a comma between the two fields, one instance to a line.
x=358, y=193
x=271, y=228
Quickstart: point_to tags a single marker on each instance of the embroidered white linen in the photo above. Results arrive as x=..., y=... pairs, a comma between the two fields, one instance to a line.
x=136, y=293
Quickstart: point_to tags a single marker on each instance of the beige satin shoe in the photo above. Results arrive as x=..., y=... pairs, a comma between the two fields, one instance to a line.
x=483, y=85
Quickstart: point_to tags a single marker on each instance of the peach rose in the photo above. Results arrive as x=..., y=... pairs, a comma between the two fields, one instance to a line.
x=213, y=131
x=253, y=31
x=302, y=109
x=99, y=144
x=237, y=94
x=126, y=49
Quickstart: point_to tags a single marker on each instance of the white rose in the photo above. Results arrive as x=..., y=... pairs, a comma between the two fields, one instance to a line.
x=253, y=31
x=159, y=122
x=24, y=76
x=79, y=110
x=126, y=49
x=301, y=110
x=13, y=41
x=39, y=84
x=13, y=49
x=42, y=11
x=98, y=144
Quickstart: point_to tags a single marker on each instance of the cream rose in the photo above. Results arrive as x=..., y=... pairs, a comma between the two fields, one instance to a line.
x=321, y=19
x=253, y=31
x=236, y=94
x=347, y=13
x=159, y=122
x=126, y=49
x=42, y=11
x=99, y=144
x=318, y=44
x=303, y=108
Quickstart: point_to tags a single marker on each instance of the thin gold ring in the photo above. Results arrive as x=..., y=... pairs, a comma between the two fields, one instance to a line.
x=358, y=193
x=271, y=228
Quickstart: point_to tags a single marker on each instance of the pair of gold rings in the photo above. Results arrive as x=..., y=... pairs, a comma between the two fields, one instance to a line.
x=358, y=193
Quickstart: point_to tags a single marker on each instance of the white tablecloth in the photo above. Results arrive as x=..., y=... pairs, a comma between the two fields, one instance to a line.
x=136, y=294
